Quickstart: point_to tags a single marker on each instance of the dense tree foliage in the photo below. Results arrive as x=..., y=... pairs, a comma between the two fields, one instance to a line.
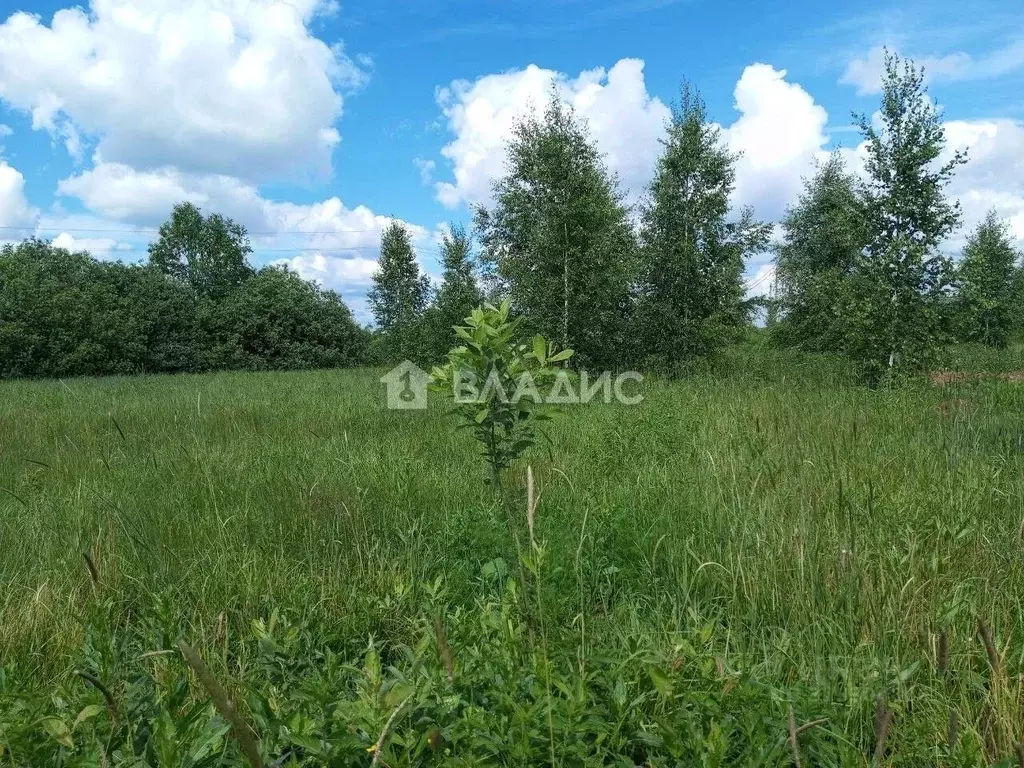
x=989, y=283
x=692, y=255
x=896, y=321
x=67, y=314
x=558, y=241
x=823, y=235
x=458, y=295
x=207, y=253
x=278, y=320
x=399, y=298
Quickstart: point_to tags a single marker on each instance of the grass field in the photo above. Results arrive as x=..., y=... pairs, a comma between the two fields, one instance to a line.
x=733, y=549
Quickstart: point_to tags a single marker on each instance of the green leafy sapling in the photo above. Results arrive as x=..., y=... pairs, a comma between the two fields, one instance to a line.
x=497, y=383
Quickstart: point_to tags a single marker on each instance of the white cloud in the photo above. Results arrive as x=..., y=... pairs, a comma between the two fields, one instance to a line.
x=333, y=271
x=780, y=132
x=100, y=247
x=992, y=178
x=15, y=211
x=120, y=192
x=145, y=198
x=326, y=241
x=865, y=73
x=994, y=174
x=623, y=118
x=426, y=169
x=239, y=87
x=780, y=129
x=72, y=140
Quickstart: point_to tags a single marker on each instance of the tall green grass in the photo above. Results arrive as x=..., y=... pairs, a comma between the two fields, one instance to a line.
x=808, y=532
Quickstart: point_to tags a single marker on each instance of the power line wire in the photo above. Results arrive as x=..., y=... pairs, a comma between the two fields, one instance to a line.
x=150, y=230
x=434, y=251
x=760, y=280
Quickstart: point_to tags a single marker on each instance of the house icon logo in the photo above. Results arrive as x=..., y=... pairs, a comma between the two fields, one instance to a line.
x=406, y=385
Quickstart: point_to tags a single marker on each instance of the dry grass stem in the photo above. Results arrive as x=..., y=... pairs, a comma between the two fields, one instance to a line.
x=224, y=704
x=794, y=744
x=379, y=745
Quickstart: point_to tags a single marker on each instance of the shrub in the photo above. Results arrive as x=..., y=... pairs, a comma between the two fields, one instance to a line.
x=496, y=382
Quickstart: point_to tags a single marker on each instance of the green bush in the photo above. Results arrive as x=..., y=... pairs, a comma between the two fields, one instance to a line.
x=66, y=314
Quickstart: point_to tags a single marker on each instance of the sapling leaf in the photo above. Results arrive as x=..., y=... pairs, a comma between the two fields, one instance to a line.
x=87, y=712
x=540, y=349
x=501, y=416
x=59, y=731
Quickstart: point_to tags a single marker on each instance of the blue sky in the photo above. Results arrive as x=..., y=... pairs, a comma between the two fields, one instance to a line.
x=314, y=123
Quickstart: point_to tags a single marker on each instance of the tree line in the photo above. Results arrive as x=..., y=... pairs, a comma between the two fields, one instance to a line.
x=560, y=243
x=196, y=305
x=860, y=268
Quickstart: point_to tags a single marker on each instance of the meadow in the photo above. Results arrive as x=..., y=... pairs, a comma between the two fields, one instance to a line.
x=762, y=565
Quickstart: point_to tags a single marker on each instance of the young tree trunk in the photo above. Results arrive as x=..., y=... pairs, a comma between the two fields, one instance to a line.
x=565, y=291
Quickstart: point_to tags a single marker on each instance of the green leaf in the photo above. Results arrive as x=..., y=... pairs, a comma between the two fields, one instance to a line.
x=482, y=415
x=87, y=712
x=565, y=354
x=207, y=743
x=308, y=743
x=909, y=672
x=59, y=730
x=496, y=568
x=540, y=349
x=662, y=682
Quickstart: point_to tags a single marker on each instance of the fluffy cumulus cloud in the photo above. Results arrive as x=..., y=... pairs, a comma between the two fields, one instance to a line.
x=145, y=197
x=200, y=101
x=99, y=247
x=623, y=118
x=865, y=72
x=239, y=87
x=993, y=177
x=779, y=132
x=15, y=211
x=333, y=244
x=355, y=272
